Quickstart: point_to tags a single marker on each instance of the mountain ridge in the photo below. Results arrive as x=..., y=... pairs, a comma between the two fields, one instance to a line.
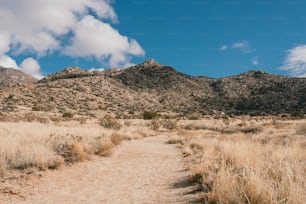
x=151, y=86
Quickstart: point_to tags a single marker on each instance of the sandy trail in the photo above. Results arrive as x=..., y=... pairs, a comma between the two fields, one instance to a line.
x=139, y=171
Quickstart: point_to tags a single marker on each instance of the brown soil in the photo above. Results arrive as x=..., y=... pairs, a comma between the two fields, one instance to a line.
x=139, y=171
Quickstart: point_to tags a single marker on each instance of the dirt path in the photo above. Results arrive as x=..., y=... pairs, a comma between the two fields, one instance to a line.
x=140, y=171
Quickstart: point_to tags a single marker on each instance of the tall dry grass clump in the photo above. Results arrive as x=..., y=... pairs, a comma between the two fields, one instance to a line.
x=253, y=167
x=248, y=172
x=41, y=146
x=110, y=122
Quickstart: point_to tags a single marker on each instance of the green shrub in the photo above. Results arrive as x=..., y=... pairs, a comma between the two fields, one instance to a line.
x=37, y=108
x=149, y=115
x=68, y=115
x=297, y=114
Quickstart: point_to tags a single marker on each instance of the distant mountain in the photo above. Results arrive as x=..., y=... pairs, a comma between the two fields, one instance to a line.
x=11, y=78
x=156, y=87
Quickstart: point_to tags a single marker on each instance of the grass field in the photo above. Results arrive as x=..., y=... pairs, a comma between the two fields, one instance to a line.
x=49, y=146
x=246, y=160
x=232, y=160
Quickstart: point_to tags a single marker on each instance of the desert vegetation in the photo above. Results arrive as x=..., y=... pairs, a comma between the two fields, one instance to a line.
x=231, y=159
x=42, y=146
x=246, y=160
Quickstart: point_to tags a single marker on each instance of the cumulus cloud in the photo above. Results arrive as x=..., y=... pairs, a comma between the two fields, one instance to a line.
x=42, y=27
x=243, y=46
x=90, y=32
x=295, y=61
x=223, y=48
x=8, y=62
x=31, y=67
x=36, y=25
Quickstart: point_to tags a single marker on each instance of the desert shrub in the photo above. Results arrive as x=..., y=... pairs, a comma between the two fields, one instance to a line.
x=109, y=122
x=116, y=138
x=170, y=124
x=32, y=156
x=69, y=147
x=297, y=114
x=103, y=146
x=252, y=129
x=37, y=108
x=127, y=123
x=301, y=129
x=176, y=140
x=149, y=115
x=82, y=121
x=155, y=124
x=29, y=117
x=193, y=118
x=68, y=115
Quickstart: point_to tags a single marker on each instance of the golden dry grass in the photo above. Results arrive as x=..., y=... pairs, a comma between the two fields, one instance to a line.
x=49, y=146
x=266, y=166
x=237, y=160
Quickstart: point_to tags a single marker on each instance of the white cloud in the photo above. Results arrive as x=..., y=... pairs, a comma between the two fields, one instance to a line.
x=42, y=27
x=4, y=43
x=243, y=46
x=35, y=25
x=31, y=67
x=8, y=62
x=223, y=48
x=255, y=61
x=96, y=69
x=98, y=39
x=295, y=61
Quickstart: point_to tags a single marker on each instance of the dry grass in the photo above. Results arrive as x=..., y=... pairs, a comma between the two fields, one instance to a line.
x=265, y=164
x=103, y=146
x=50, y=146
x=110, y=122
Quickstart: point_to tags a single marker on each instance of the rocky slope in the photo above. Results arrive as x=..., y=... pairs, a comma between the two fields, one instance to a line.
x=12, y=78
x=155, y=87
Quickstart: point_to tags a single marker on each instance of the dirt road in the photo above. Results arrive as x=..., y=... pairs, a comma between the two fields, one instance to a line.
x=139, y=171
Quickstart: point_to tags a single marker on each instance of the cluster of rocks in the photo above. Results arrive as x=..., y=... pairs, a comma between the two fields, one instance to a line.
x=70, y=73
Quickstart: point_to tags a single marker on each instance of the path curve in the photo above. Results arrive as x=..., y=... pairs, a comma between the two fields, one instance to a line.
x=139, y=171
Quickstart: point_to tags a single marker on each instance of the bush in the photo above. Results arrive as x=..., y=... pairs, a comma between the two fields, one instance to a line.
x=155, y=124
x=170, y=124
x=149, y=115
x=110, y=123
x=301, y=129
x=37, y=108
x=116, y=138
x=298, y=114
x=104, y=146
x=68, y=115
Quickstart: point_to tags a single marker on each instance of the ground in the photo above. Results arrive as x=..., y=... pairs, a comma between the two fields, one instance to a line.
x=139, y=171
x=210, y=160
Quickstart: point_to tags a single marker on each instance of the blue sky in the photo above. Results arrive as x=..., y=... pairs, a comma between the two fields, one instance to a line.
x=214, y=38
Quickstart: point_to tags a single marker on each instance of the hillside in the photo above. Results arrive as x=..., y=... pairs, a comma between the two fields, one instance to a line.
x=12, y=78
x=155, y=87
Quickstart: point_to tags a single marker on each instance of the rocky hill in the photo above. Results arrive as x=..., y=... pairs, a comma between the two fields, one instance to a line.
x=12, y=78
x=154, y=87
